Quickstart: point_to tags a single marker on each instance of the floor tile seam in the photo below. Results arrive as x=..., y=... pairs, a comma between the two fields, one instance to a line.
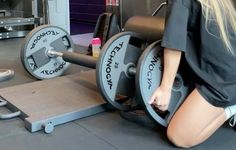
x=99, y=137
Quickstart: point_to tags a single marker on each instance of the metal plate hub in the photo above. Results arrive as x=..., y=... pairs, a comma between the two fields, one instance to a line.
x=34, y=52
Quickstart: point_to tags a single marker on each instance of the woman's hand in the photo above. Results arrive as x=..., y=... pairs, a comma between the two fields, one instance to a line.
x=161, y=98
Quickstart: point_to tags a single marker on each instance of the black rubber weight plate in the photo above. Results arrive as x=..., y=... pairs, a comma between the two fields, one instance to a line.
x=113, y=79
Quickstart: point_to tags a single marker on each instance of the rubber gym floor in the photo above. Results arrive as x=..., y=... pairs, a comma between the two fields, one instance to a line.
x=104, y=131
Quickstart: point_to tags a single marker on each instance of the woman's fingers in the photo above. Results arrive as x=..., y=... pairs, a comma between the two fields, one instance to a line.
x=153, y=98
x=158, y=103
x=160, y=100
x=151, y=101
x=162, y=107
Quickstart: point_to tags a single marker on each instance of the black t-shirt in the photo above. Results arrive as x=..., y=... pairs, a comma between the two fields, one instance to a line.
x=204, y=51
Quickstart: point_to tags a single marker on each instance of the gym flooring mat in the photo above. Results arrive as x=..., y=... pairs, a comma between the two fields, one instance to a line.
x=105, y=131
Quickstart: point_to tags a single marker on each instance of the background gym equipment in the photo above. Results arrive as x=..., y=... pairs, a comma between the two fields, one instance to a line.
x=148, y=78
x=45, y=104
x=16, y=20
x=4, y=103
x=6, y=74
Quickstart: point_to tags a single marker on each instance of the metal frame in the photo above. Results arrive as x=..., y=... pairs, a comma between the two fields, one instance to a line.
x=35, y=8
x=10, y=21
x=19, y=21
x=37, y=125
x=13, y=34
x=44, y=124
x=3, y=12
x=83, y=95
x=159, y=8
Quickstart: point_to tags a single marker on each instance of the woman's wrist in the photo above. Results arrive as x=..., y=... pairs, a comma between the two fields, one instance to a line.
x=165, y=87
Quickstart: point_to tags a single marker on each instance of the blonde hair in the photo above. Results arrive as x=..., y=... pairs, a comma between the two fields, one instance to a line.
x=223, y=12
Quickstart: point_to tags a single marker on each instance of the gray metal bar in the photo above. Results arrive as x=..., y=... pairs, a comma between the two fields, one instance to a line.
x=75, y=58
x=46, y=14
x=80, y=59
x=2, y=102
x=60, y=119
x=10, y=21
x=2, y=13
x=10, y=115
x=159, y=8
x=6, y=74
x=52, y=53
x=35, y=8
x=13, y=34
x=121, y=16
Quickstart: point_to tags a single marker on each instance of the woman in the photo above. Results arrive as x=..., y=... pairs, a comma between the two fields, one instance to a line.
x=203, y=32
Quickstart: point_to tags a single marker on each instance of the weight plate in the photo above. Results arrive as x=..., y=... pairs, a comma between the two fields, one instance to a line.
x=114, y=80
x=148, y=78
x=34, y=55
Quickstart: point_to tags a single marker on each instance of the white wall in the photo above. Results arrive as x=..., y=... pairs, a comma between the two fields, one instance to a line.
x=59, y=13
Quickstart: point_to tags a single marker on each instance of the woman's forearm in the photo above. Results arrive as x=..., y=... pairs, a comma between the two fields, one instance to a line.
x=171, y=63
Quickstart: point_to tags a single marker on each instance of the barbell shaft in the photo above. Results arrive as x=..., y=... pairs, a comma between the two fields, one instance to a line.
x=80, y=59
x=52, y=53
x=87, y=61
x=75, y=58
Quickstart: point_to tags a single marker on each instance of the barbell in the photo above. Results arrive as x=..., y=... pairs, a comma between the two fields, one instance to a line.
x=47, y=50
x=126, y=67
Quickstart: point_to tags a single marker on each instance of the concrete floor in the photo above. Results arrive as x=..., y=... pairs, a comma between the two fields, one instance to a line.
x=105, y=131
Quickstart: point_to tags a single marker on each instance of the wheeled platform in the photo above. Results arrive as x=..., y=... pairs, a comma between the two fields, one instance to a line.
x=45, y=104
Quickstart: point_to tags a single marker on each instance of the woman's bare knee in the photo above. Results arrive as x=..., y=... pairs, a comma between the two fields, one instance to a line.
x=180, y=138
x=190, y=125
